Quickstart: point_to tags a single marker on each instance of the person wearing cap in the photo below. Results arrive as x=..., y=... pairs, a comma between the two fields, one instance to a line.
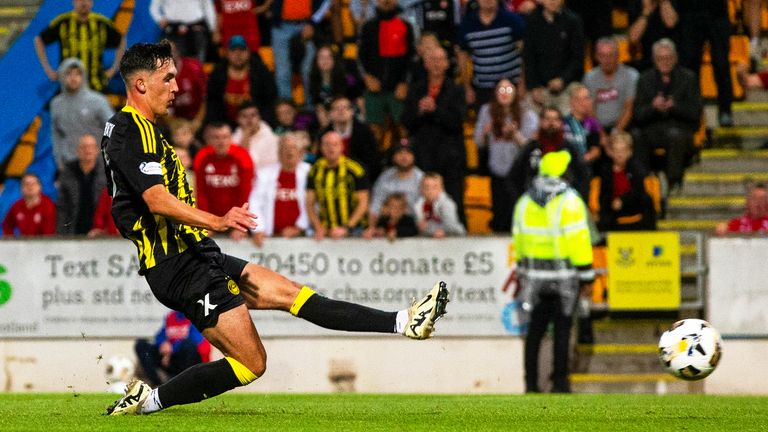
x=554, y=264
x=239, y=78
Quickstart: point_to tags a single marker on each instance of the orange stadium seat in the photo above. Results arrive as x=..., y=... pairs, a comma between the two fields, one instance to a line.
x=477, y=204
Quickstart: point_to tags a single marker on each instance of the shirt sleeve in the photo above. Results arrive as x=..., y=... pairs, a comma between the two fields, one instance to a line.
x=50, y=34
x=113, y=36
x=137, y=157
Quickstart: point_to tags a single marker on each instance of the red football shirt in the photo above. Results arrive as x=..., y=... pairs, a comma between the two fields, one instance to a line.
x=223, y=182
x=621, y=183
x=31, y=221
x=238, y=18
x=748, y=224
x=192, y=83
x=102, y=217
x=286, y=202
x=236, y=92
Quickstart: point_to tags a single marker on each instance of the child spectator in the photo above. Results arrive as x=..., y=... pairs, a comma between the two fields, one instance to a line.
x=183, y=136
x=436, y=214
x=32, y=215
x=394, y=221
x=285, y=112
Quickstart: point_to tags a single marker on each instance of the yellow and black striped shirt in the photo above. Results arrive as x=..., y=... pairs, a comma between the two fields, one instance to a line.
x=84, y=40
x=137, y=157
x=335, y=189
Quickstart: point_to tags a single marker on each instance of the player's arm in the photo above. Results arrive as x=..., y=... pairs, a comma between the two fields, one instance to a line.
x=162, y=203
x=42, y=56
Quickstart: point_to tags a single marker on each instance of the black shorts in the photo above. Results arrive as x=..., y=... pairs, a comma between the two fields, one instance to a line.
x=201, y=283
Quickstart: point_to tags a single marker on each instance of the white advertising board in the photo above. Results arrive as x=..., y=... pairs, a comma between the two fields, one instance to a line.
x=74, y=288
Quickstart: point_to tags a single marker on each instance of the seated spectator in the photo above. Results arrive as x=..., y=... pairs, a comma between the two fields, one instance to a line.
x=103, y=223
x=434, y=117
x=359, y=142
x=278, y=198
x=503, y=127
x=436, y=214
x=337, y=192
x=327, y=80
x=650, y=21
x=32, y=215
x=384, y=49
x=239, y=78
x=189, y=102
x=612, y=85
x=550, y=138
x=285, y=113
x=76, y=111
x=239, y=17
x=403, y=176
x=553, y=53
x=255, y=135
x=80, y=185
x=426, y=43
x=755, y=218
x=393, y=221
x=667, y=112
x=618, y=198
x=490, y=39
x=582, y=129
x=224, y=174
x=187, y=23
x=183, y=136
x=178, y=345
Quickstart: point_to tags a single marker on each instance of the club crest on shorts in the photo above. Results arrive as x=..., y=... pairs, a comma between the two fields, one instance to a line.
x=232, y=287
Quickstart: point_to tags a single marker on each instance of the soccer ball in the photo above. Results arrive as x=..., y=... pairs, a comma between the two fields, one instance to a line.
x=118, y=371
x=690, y=350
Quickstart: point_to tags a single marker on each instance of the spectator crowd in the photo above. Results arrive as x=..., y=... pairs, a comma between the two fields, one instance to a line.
x=353, y=124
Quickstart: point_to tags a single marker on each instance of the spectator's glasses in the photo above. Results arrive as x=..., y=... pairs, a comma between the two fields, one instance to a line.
x=505, y=90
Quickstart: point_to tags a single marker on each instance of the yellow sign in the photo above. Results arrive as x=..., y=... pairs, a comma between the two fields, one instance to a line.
x=644, y=270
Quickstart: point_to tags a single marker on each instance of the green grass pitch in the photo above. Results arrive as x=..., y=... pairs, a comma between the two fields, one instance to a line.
x=363, y=412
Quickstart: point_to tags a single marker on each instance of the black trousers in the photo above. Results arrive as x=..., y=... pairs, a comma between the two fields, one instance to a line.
x=675, y=140
x=502, y=196
x=149, y=359
x=695, y=29
x=548, y=309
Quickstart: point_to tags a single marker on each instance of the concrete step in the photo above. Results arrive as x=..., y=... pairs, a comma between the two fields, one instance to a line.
x=756, y=95
x=731, y=161
x=613, y=331
x=744, y=137
x=616, y=358
x=750, y=113
x=653, y=383
x=687, y=224
x=715, y=183
x=705, y=207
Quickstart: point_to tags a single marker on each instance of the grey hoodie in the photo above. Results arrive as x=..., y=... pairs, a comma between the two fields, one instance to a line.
x=75, y=114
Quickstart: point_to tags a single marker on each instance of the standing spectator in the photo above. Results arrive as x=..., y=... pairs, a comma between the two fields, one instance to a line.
x=385, y=47
x=583, y=130
x=337, y=191
x=707, y=21
x=551, y=232
x=490, y=42
x=359, y=142
x=652, y=20
x=503, y=127
x=328, y=80
x=438, y=17
x=178, y=345
x=239, y=17
x=550, y=138
x=75, y=112
x=294, y=19
x=224, y=174
x=103, y=223
x=596, y=17
x=255, y=135
x=187, y=23
x=434, y=117
x=80, y=184
x=403, y=176
x=394, y=221
x=667, y=112
x=619, y=200
x=189, y=103
x=34, y=214
x=241, y=77
x=85, y=35
x=553, y=53
x=755, y=218
x=436, y=213
x=612, y=85
x=279, y=197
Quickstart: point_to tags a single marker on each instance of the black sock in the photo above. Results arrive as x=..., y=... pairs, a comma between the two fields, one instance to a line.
x=340, y=315
x=202, y=381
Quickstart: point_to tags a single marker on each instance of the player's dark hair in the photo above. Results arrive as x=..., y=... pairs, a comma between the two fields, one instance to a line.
x=145, y=57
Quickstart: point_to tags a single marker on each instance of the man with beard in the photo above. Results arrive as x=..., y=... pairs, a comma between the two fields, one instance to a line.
x=403, y=176
x=551, y=138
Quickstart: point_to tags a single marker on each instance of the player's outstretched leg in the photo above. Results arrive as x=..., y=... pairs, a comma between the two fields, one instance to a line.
x=263, y=288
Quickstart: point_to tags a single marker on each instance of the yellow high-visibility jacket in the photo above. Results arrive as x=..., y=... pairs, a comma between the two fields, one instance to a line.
x=551, y=234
